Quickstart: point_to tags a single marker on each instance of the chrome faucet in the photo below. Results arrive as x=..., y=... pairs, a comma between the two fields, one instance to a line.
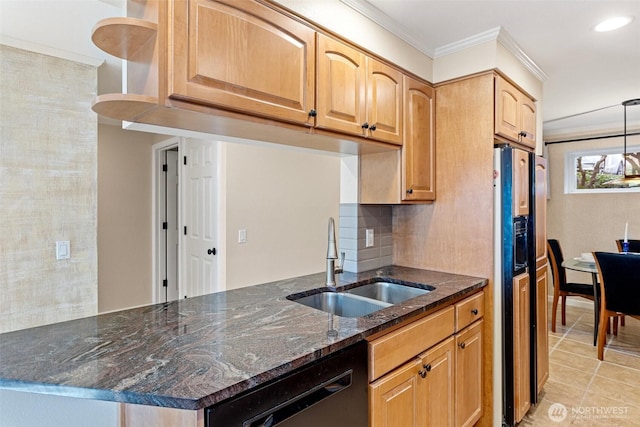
x=332, y=256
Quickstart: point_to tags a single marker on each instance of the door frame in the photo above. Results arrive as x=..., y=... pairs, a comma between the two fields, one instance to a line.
x=156, y=223
x=157, y=233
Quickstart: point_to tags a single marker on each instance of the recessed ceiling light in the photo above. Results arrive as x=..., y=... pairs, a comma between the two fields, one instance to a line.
x=613, y=23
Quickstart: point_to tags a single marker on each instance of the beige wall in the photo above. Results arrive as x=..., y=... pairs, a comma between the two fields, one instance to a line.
x=588, y=222
x=48, y=189
x=124, y=218
x=283, y=197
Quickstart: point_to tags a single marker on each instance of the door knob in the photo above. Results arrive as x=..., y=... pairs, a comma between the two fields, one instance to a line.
x=211, y=251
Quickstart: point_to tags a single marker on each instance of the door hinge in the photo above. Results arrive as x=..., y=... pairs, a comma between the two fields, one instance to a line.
x=165, y=283
x=185, y=230
x=165, y=225
x=185, y=160
x=165, y=168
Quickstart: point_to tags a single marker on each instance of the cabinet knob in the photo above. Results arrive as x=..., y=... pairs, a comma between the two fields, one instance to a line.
x=523, y=134
x=365, y=125
x=211, y=251
x=372, y=128
x=474, y=311
x=427, y=367
x=462, y=345
x=410, y=191
x=422, y=373
x=313, y=113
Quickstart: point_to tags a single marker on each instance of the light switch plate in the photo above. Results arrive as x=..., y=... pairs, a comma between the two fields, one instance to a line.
x=369, y=242
x=242, y=236
x=63, y=249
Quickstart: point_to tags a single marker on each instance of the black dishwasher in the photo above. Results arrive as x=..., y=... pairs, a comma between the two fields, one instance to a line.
x=331, y=392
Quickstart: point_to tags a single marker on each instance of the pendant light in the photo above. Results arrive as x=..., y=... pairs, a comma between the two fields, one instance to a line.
x=628, y=179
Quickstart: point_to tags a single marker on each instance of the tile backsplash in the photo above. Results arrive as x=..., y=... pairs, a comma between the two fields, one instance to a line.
x=355, y=219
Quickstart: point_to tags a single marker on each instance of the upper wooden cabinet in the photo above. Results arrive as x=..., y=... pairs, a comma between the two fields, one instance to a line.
x=408, y=176
x=418, y=150
x=342, y=75
x=250, y=69
x=244, y=56
x=515, y=114
x=357, y=94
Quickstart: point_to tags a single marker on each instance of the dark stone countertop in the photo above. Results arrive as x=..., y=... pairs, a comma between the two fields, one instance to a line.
x=194, y=352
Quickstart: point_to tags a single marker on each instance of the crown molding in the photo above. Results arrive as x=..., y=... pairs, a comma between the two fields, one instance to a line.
x=376, y=15
x=50, y=51
x=495, y=34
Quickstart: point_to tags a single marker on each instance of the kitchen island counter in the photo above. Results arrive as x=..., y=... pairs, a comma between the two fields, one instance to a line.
x=194, y=352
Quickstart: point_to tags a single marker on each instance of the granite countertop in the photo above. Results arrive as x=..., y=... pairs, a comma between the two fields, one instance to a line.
x=194, y=352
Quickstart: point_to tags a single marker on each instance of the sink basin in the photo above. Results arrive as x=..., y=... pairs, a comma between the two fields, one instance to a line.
x=342, y=304
x=392, y=293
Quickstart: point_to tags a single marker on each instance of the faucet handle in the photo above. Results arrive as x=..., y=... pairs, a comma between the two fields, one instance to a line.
x=340, y=267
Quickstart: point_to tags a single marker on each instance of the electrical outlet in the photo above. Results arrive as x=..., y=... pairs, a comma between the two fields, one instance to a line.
x=242, y=236
x=63, y=249
x=369, y=238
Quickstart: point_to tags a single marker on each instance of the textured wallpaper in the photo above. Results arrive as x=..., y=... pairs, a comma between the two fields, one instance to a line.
x=48, y=169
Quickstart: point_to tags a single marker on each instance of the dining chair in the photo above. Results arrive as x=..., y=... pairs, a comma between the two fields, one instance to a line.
x=634, y=245
x=619, y=287
x=561, y=288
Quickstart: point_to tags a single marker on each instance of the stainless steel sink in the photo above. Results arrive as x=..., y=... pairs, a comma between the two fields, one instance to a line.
x=342, y=304
x=392, y=293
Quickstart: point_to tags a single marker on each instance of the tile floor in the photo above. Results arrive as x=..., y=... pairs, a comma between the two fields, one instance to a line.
x=594, y=393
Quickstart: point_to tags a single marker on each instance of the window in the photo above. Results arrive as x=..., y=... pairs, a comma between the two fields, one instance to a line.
x=597, y=171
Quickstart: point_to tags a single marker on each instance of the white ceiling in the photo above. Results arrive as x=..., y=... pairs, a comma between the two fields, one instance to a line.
x=585, y=70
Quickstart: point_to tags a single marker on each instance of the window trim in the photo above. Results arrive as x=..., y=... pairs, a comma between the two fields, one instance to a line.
x=570, y=178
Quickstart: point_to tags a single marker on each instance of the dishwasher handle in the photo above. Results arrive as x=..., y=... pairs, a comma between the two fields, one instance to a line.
x=299, y=403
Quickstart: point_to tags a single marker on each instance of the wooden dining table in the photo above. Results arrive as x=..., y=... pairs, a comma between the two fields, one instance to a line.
x=588, y=267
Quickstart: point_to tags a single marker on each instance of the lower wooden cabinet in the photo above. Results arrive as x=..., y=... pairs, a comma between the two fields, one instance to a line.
x=468, y=374
x=419, y=393
x=521, y=345
x=542, y=331
x=441, y=386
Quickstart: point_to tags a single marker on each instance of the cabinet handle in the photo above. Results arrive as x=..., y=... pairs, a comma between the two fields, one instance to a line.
x=365, y=125
x=313, y=113
x=474, y=311
x=372, y=128
x=461, y=345
x=425, y=368
x=410, y=191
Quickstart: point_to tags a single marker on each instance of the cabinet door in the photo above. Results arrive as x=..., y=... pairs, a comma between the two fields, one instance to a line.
x=468, y=376
x=541, y=210
x=384, y=102
x=542, y=330
x=397, y=399
x=528, y=121
x=507, y=122
x=341, y=102
x=418, y=171
x=438, y=370
x=520, y=182
x=515, y=114
x=521, y=346
x=243, y=56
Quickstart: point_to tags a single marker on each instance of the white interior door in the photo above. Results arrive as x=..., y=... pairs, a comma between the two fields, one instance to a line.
x=200, y=212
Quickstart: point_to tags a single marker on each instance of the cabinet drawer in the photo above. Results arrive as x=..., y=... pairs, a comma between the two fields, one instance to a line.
x=395, y=348
x=469, y=310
